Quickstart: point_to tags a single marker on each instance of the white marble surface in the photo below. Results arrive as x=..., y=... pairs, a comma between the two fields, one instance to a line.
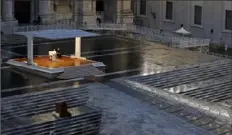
x=125, y=115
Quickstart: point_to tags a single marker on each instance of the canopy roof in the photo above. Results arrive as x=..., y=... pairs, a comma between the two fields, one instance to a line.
x=182, y=31
x=56, y=34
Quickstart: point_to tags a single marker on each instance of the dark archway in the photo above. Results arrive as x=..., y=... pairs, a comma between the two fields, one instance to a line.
x=23, y=11
x=99, y=6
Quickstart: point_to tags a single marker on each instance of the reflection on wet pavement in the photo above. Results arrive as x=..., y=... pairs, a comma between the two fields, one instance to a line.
x=122, y=57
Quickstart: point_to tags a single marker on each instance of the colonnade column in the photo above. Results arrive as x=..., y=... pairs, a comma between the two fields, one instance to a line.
x=46, y=11
x=7, y=13
x=30, y=50
x=1, y=11
x=0, y=18
x=8, y=20
x=124, y=12
x=76, y=10
x=119, y=11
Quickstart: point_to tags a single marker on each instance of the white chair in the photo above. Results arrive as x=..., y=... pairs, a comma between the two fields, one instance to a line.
x=52, y=55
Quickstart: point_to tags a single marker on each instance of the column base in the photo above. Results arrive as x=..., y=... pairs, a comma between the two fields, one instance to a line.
x=47, y=19
x=90, y=20
x=126, y=19
x=8, y=26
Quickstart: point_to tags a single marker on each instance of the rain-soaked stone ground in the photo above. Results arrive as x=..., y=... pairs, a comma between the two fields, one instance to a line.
x=122, y=113
x=126, y=115
x=116, y=53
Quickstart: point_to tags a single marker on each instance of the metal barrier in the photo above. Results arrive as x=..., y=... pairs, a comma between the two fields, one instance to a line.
x=130, y=31
x=189, y=42
x=151, y=34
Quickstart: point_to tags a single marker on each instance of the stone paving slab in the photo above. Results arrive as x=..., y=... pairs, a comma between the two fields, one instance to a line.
x=191, y=115
x=126, y=115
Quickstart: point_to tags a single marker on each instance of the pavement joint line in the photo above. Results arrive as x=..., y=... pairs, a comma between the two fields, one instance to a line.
x=64, y=81
x=92, y=56
x=123, y=52
x=177, y=72
x=44, y=84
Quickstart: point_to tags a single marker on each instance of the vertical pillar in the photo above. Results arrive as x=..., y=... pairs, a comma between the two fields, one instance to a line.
x=8, y=10
x=8, y=16
x=78, y=47
x=119, y=11
x=46, y=11
x=124, y=12
x=29, y=50
x=0, y=11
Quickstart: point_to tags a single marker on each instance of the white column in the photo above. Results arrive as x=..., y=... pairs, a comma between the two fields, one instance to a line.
x=29, y=50
x=77, y=47
x=7, y=6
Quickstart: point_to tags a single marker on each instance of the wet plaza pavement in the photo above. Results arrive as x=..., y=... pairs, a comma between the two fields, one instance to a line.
x=121, y=56
x=95, y=49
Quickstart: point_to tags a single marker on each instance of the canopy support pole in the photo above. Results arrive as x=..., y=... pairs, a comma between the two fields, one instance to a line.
x=29, y=49
x=78, y=47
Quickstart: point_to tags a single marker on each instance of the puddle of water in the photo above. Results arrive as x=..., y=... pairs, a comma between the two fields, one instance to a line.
x=145, y=59
x=115, y=62
x=11, y=78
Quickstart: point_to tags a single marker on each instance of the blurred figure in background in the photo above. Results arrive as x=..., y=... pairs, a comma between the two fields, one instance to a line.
x=58, y=53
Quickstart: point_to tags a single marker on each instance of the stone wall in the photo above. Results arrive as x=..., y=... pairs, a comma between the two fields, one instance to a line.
x=213, y=17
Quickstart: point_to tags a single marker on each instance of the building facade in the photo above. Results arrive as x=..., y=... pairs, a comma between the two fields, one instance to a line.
x=204, y=19
x=24, y=12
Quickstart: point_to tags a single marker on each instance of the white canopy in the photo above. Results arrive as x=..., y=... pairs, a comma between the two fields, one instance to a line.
x=56, y=34
x=182, y=31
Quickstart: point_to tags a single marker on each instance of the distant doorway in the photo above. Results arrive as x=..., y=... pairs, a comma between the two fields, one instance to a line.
x=23, y=11
x=99, y=5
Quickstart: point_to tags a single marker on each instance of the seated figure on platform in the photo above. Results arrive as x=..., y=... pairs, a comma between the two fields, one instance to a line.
x=61, y=110
x=58, y=53
x=52, y=55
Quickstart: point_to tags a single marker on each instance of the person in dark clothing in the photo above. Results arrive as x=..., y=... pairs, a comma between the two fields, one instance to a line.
x=34, y=22
x=62, y=110
x=39, y=20
x=58, y=53
x=99, y=21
